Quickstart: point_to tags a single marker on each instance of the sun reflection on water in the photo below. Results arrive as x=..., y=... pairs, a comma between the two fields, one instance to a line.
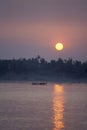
x=58, y=107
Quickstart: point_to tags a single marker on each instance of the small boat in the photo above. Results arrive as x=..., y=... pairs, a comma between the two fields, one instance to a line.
x=39, y=83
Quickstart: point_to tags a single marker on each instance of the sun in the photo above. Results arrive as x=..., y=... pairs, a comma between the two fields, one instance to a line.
x=59, y=46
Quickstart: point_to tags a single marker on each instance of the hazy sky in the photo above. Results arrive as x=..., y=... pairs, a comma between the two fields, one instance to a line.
x=32, y=27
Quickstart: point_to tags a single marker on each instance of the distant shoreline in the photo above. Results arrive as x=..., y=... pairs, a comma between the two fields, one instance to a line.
x=38, y=69
x=41, y=78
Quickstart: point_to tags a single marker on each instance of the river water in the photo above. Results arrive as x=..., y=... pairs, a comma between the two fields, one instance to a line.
x=54, y=106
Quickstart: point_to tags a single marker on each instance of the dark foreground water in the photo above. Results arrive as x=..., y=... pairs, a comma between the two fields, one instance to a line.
x=24, y=106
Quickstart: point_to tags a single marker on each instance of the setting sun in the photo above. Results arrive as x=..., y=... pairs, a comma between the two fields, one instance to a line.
x=59, y=46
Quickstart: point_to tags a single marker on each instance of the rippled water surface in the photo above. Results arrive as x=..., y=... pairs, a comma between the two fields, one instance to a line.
x=24, y=106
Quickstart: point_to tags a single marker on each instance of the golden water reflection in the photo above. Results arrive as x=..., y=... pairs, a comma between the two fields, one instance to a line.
x=58, y=107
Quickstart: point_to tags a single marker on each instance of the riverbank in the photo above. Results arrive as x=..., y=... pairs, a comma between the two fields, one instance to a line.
x=39, y=77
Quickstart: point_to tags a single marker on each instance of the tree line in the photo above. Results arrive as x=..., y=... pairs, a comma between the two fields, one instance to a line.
x=38, y=65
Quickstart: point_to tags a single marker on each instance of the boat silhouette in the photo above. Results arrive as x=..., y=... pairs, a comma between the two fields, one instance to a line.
x=39, y=83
